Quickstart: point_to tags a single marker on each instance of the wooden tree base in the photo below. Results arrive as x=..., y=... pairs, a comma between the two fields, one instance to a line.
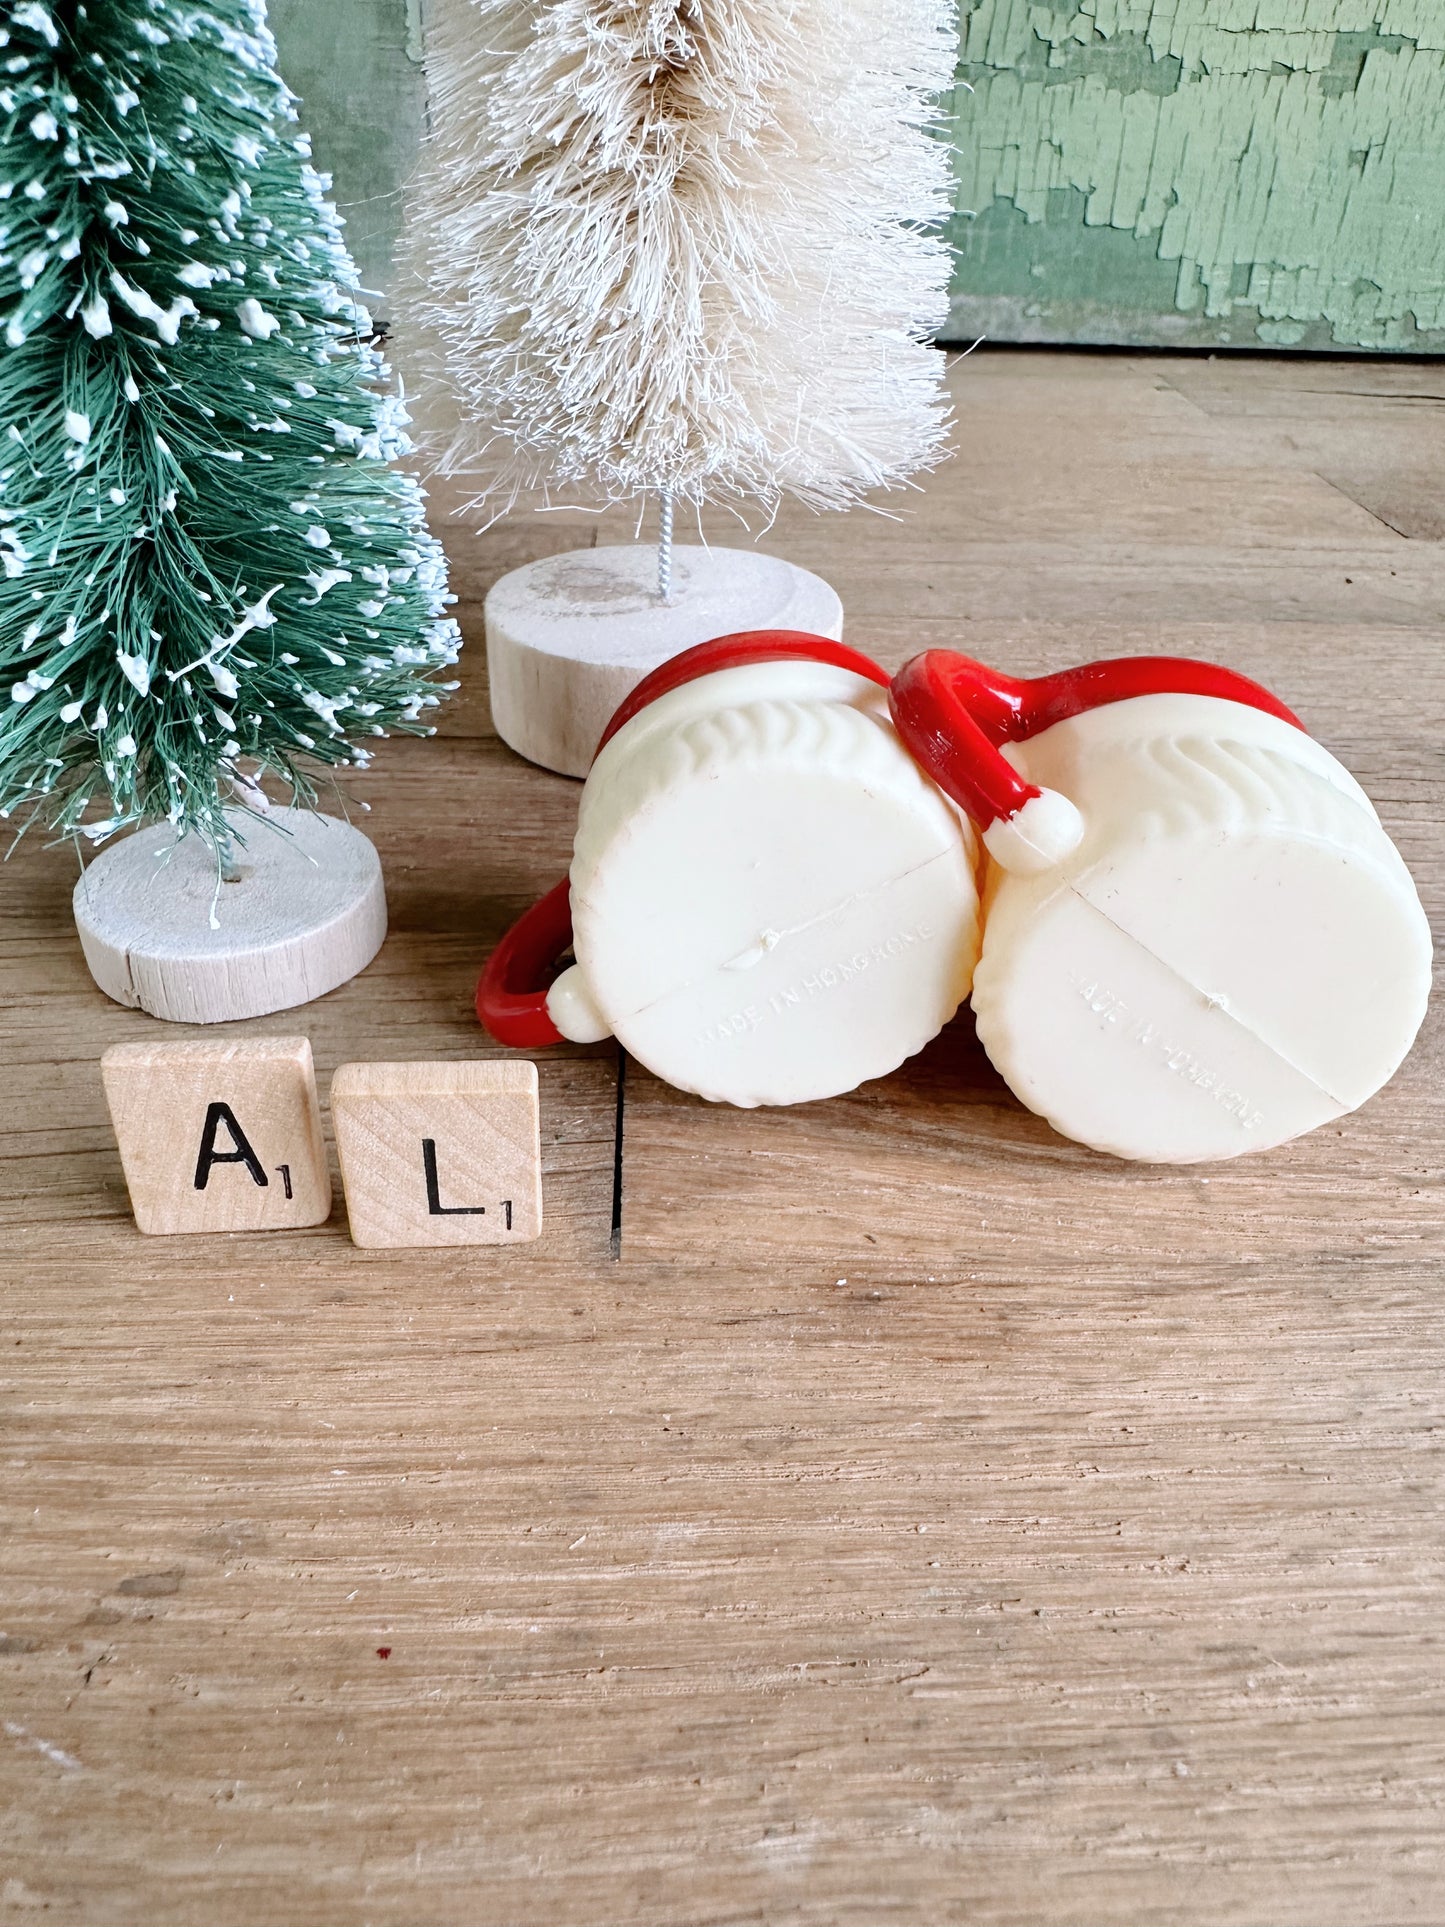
x=569, y=636
x=159, y=934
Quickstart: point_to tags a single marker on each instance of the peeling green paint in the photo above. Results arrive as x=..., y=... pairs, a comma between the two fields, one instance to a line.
x=356, y=66
x=1229, y=172
x=1217, y=172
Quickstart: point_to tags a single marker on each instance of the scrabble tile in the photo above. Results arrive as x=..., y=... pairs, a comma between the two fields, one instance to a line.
x=219, y=1137
x=439, y=1154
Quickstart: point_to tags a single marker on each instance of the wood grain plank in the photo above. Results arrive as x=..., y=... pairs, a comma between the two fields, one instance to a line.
x=783, y=1603
x=921, y=1521
x=1104, y=491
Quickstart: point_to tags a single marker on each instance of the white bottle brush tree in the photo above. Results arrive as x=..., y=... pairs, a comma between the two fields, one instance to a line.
x=684, y=246
x=210, y=572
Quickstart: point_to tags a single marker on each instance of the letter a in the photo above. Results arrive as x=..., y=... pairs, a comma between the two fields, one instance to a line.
x=216, y=1115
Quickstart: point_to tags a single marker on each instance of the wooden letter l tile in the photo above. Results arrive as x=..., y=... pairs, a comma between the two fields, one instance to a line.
x=439, y=1154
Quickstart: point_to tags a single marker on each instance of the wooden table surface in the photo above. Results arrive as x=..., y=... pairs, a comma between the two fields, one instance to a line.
x=881, y=1511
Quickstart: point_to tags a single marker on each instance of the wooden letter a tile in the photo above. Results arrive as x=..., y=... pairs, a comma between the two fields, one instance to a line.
x=219, y=1137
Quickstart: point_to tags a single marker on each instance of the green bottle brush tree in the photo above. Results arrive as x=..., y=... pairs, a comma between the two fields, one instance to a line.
x=211, y=571
x=209, y=564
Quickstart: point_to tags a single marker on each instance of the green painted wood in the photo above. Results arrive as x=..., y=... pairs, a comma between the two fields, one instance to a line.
x=1223, y=173
x=356, y=65
x=1219, y=173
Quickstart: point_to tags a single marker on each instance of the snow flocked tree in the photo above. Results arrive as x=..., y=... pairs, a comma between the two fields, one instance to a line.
x=210, y=572
x=686, y=248
x=685, y=245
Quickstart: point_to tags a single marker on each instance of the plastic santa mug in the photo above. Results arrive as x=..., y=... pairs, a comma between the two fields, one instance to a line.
x=769, y=901
x=1198, y=940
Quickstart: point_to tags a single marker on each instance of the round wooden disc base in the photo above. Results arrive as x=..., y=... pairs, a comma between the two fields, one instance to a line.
x=307, y=912
x=569, y=636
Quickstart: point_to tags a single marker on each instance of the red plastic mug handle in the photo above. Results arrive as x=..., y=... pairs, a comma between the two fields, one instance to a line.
x=954, y=714
x=512, y=994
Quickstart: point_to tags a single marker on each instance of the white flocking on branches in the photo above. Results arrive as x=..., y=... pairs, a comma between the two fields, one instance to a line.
x=689, y=245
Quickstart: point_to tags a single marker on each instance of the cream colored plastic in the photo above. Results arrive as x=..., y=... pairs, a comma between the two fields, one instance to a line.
x=1234, y=954
x=770, y=903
